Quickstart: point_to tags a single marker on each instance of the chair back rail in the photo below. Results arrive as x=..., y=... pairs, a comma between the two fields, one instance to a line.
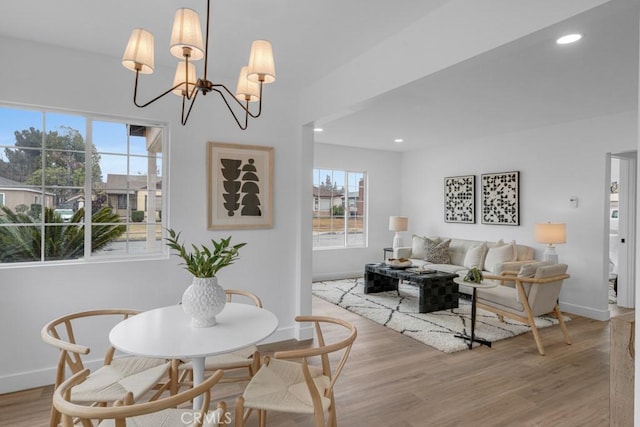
x=125, y=408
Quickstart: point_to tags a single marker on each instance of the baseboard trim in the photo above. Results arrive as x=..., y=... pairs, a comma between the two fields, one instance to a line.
x=337, y=276
x=589, y=312
x=38, y=378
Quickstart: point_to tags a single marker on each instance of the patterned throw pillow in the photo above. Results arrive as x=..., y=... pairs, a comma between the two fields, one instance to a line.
x=437, y=252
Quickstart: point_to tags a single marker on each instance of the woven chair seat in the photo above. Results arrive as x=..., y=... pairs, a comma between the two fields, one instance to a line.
x=169, y=418
x=280, y=386
x=112, y=382
x=236, y=359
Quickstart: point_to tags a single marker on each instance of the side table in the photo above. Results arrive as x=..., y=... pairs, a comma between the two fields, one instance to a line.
x=384, y=253
x=472, y=338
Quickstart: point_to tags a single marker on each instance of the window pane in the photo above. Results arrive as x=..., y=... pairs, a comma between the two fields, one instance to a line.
x=338, y=209
x=109, y=137
x=63, y=242
x=19, y=244
x=137, y=239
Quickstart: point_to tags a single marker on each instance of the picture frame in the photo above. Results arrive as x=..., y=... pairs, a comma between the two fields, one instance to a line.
x=501, y=198
x=239, y=186
x=460, y=199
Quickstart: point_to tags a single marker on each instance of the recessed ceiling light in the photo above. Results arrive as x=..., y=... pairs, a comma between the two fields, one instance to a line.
x=398, y=140
x=569, y=38
x=318, y=129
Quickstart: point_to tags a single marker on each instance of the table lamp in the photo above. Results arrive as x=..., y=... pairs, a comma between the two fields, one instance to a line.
x=551, y=233
x=398, y=224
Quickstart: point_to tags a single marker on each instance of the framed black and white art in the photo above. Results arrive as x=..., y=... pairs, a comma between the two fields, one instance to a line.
x=460, y=199
x=239, y=186
x=500, y=198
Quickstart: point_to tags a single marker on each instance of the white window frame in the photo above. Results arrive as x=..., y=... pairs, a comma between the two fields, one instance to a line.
x=317, y=204
x=162, y=252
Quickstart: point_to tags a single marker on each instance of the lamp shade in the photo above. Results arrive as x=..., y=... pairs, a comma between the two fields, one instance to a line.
x=246, y=89
x=186, y=33
x=551, y=233
x=139, y=51
x=398, y=223
x=261, y=63
x=181, y=78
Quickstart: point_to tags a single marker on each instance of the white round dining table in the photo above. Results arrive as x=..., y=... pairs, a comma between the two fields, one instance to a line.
x=167, y=333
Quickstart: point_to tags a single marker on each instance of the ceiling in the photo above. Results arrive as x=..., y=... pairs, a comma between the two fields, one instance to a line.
x=528, y=83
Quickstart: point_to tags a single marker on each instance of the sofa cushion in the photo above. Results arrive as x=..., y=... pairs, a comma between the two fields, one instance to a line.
x=437, y=252
x=418, y=245
x=475, y=256
x=499, y=254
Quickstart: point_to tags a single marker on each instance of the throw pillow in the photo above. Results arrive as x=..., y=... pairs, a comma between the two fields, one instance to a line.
x=437, y=252
x=418, y=244
x=475, y=256
x=498, y=254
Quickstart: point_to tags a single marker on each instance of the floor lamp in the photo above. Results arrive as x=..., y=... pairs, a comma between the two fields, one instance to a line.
x=398, y=224
x=551, y=233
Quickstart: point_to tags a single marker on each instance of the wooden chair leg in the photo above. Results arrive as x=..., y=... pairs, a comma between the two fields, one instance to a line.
x=333, y=419
x=563, y=327
x=239, y=412
x=54, y=417
x=262, y=418
x=536, y=335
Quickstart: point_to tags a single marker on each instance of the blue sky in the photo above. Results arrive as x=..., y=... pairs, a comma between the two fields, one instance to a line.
x=108, y=137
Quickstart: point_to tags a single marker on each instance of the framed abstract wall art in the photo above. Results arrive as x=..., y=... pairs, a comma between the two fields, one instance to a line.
x=460, y=199
x=500, y=198
x=239, y=186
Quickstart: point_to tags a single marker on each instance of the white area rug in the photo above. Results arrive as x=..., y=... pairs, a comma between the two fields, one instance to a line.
x=436, y=329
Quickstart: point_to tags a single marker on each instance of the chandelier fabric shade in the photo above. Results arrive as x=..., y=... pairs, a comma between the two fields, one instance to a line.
x=187, y=45
x=179, y=81
x=139, y=52
x=261, y=65
x=247, y=90
x=186, y=33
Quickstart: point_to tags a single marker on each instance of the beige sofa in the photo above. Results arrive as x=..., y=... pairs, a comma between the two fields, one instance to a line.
x=491, y=257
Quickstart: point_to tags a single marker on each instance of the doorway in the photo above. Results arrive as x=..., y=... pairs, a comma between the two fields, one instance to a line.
x=622, y=228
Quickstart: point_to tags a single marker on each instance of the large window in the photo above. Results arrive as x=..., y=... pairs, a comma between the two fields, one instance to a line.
x=72, y=187
x=339, y=209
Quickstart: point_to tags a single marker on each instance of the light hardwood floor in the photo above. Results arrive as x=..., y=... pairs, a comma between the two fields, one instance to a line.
x=392, y=380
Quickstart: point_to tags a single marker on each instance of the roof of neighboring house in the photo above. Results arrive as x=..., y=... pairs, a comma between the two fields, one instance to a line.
x=7, y=181
x=323, y=192
x=119, y=184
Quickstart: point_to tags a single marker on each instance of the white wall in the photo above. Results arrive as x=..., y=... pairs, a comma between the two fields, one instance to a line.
x=383, y=192
x=31, y=296
x=554, y=163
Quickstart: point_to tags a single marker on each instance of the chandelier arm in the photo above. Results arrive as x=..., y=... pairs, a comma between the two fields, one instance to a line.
x=246, y=109
x=246, y=115
x=135, y=93
x=193, y=101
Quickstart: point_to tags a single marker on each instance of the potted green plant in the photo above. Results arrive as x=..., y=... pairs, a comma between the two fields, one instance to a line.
x=204, y=298
x=474, y=275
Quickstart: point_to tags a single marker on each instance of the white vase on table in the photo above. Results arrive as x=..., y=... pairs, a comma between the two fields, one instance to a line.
x=203, y=300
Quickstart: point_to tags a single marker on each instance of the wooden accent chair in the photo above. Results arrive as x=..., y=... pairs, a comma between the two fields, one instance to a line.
x=123, y=413
x=298, y=387
x=536, y=291
x=115, y=379
x=246, y=358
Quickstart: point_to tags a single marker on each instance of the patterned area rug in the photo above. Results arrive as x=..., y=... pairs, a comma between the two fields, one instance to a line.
x=436, y=329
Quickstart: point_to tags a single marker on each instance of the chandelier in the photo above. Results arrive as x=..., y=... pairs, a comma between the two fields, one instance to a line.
x=186, y=45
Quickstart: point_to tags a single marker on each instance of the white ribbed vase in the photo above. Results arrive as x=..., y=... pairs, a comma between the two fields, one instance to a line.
x=203, y=300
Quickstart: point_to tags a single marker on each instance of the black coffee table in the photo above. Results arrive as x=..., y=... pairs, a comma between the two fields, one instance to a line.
x=438, y=291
